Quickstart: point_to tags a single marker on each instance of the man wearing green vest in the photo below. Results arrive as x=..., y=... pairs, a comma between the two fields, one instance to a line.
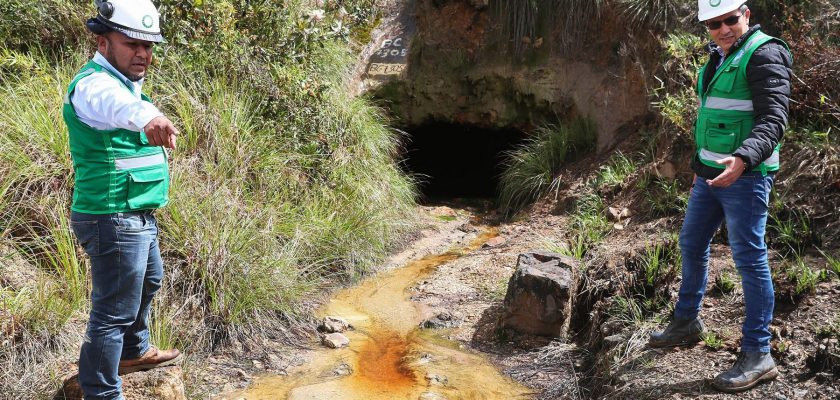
x=117, y=142
x=743, y=92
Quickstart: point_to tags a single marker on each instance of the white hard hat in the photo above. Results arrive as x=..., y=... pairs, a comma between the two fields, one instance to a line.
x=137, y=19
x=709, y=9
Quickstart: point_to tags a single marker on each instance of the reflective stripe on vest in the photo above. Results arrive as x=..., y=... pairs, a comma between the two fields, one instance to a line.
x=770, y=162
x=139, y=162
x=721, y=103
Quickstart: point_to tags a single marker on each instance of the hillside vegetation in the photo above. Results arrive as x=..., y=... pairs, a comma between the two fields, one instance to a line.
x=281, y=183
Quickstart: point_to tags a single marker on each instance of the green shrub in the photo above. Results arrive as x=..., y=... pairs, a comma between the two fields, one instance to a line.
x=829, y=328
x=725, y=283
x=666, y=197
x=52, y=25
x=589, y=222
x=802, y=276
x=674, y=96
x=791, y=232
x=627, y=310
x=712, y=341
x=615, y=171
x=529, y=170
x=833, y=263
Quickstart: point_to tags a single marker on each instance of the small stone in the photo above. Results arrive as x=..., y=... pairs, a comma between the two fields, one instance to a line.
x=335, y=340
x=331, y=324
x=496, y=241
x=610, y=327
x=242, y=374
x=618, y=214
x=424, y=359
x=343, y=370
x=614, y=340
x=258, y=364
x=775, y=332
x=437, y=380
x=440, y=321
x=467, y=227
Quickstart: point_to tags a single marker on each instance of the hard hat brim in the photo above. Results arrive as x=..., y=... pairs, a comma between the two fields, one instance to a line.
x=99, y=26
x=718, y=12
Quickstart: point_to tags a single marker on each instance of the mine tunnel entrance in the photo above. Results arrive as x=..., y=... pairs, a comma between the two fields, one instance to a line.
x=457, y=161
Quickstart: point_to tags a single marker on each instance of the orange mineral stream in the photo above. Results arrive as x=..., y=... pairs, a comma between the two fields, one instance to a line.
x=389, y=356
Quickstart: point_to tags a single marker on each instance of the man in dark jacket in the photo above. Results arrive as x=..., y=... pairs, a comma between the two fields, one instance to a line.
x=744, y=91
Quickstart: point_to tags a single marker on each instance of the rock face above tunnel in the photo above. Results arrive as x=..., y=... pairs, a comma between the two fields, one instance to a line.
x=450, y=61
x=539, y=294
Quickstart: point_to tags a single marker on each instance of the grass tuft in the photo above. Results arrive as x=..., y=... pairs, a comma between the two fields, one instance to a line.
x=615, y=172
x=725, y=283
x=530, y=168
x=712, y=341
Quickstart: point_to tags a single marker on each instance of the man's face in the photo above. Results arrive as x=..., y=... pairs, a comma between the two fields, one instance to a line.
x=726, y=35
x=129, y=56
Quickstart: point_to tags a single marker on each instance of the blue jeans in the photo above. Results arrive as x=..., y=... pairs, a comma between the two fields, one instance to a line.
x=744, y=206
x=126, y=270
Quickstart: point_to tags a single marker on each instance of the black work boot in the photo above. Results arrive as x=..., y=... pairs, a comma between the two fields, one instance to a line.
x=680, y=332
x=750, y=368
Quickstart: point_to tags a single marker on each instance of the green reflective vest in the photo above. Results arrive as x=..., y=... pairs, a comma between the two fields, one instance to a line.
x=726, y=115
x=115, y=170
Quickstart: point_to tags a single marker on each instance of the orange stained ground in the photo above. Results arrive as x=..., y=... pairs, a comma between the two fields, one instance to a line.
x=390, y=358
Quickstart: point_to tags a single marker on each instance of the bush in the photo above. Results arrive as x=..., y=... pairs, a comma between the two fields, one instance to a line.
x=52, y=25
x=529, y=170
x=811, y=31
x=658, y=14
x=615, y=172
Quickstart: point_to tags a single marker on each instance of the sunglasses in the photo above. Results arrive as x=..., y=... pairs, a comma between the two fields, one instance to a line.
x=729, y=21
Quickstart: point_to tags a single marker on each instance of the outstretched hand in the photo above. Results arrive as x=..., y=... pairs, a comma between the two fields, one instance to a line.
x=733, y=171
x=161, y=132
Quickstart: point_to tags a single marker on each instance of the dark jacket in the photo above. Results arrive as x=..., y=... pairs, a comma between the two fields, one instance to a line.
x=769, y=74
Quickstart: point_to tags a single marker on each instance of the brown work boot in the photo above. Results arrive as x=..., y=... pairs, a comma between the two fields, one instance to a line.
x=153, y=358
x=750, y=368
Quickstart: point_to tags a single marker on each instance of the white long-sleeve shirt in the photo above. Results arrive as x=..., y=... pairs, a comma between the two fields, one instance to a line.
x=103, y=103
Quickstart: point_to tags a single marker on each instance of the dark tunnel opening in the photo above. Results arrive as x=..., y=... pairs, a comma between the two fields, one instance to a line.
x=454, y=161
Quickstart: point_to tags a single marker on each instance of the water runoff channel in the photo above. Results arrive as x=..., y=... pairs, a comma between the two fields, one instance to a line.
x=389, y=356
